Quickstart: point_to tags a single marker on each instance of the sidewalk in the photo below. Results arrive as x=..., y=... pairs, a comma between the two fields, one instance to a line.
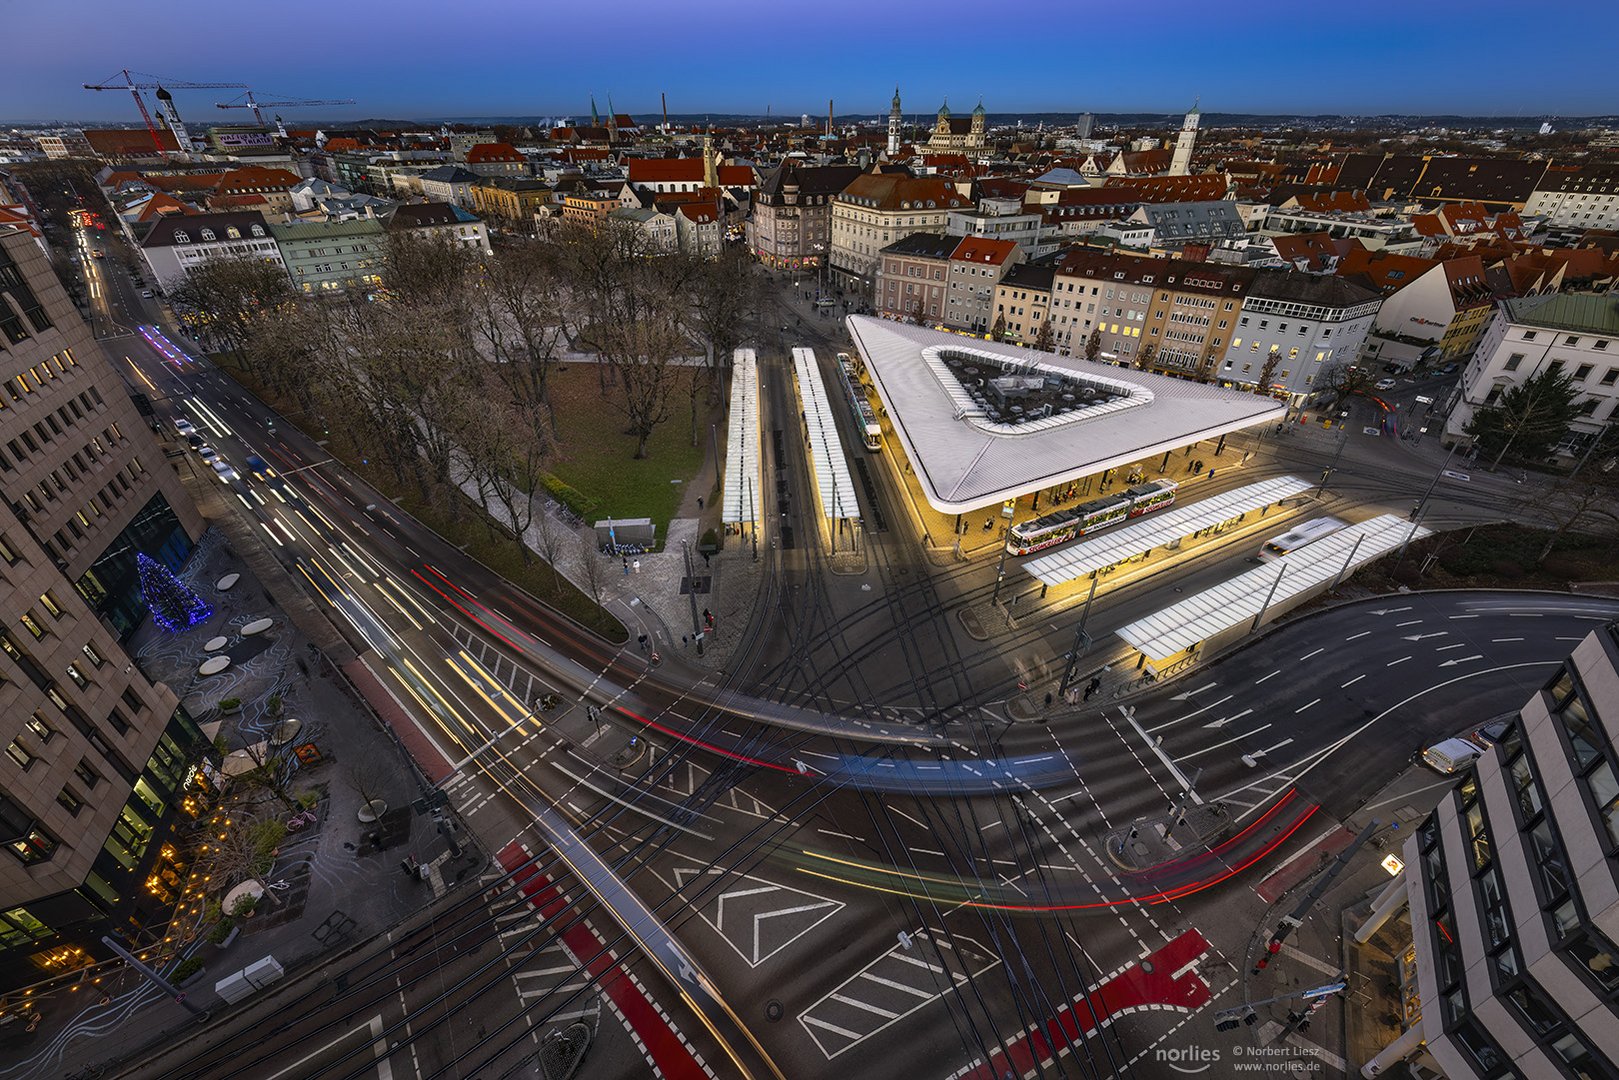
x=342, y=878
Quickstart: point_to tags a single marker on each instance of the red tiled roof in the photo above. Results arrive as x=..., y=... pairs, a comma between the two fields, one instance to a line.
x=1387, y=271
x=342, y=144
x=1315, y=249
x=127, y=142
x=666, y=170
x=493, y=152
x=896, y=192
x=983, y=249
x=701, y=213
x=736, y=176
x=1334, y=202
x=1202, y=187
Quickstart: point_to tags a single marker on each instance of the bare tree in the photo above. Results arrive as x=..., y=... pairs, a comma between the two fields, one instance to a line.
x=724, y=291
x=225, y=300
x=243, y=849
x=1589, y=500
x=1093, y=345
x=1268, y=371
x=1145, y=357
x=591, y=568
x=1042, y=340
x=550, y=534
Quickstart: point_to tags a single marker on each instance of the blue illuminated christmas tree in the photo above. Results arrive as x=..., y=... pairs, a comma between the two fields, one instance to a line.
x=174, y=607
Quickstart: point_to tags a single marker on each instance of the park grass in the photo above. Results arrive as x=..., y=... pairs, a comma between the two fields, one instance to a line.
x=1500, y=556
x=459, y=520
x=597, y=457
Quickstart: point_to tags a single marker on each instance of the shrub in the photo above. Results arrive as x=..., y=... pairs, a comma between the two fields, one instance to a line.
x=231, y=704
x=307, y=799
x=221, y=930
x=709, y=542
x=244, y=906
x=1507, y=569
x=188, y=967
x=272, y=704
x=569, y=496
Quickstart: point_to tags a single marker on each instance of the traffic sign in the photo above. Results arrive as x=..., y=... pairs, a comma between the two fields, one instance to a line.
x=1323, y=991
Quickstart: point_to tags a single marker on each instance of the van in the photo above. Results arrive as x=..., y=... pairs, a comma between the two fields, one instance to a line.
x=1450, y=755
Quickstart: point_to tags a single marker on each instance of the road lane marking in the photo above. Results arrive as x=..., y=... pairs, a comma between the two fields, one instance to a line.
x=1228, y=742
x=1318, y=652
x=1301, y=708
x=1401, y=660
x=1351, y=682
x=1272, y=675
x=1499, y=640
x=1447, y=648
x=1362, y=634
x=1411, y=622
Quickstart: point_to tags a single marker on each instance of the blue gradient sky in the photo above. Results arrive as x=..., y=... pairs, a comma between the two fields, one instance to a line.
x=483, y=57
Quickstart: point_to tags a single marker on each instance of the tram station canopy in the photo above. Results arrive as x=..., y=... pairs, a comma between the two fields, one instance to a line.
x=740, y=484
x=1165, y=527
x=1180, y=626
x=982, y=422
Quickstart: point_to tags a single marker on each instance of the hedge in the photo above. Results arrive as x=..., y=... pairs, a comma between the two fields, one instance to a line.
x=570, y=496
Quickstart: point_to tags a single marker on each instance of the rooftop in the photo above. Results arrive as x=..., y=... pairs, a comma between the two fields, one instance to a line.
x=1594, y=313
x=966, y=456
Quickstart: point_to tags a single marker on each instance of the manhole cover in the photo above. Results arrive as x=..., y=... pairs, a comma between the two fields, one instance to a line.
x=773, y=1010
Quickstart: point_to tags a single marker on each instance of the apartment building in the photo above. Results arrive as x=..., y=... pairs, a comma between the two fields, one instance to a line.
x=1023, y=304
x=976, y=266
x=913, y=277
x=1512, y=888
x=1193, y=314
x=100, y=765
x=1577, y=196
x=1576, y=334
x=791, y=222
x=877, y=209
x=1297, y=326
x=174, y=244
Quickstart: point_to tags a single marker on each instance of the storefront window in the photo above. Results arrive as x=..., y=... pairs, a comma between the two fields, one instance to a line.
x=144, y=792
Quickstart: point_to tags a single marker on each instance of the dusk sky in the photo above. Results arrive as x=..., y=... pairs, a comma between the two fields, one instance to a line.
x=409, y=58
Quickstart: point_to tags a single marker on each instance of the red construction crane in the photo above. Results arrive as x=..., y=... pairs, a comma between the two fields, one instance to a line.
x=158, y=83
x=250, y=103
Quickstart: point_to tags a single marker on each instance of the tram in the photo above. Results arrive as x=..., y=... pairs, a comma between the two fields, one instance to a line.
x=871, y=432
x=1061, y=526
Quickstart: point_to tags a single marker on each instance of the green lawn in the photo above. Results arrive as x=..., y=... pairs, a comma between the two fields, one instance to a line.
x=597, y=457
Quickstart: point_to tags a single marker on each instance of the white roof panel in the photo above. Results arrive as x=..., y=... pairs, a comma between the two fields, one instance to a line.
x=963, y=461
x=831, y=468
x=1116, y=545
x=739, y=505
x=1175, y=629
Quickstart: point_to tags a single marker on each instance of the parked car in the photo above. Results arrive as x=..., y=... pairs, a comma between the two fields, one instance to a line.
x=146, y=293
x=1385, y=384
x=1393, y=369
x=194, y=441
x=1491, y=733
x=1449, y=369
x=1451, y=755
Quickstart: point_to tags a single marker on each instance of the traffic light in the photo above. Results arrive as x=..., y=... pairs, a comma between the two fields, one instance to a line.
x=1227, y=1022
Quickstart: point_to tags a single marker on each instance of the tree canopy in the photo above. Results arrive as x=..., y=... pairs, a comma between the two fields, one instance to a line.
x=1526, y=421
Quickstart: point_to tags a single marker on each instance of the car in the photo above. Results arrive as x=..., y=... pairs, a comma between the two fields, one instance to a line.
x=225, y=471
x=1449, y=369
x=185, y=427
x=259, y=467
x=1392, y=369
x=1451, y=755
x=1384, y=384
x=1491, y=733
x=194, y=441
x=207, y=453
x=146, y=293
x=825, y=301
x=99, y=254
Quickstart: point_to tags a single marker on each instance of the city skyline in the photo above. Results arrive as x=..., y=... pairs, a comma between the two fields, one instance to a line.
x=790, y=63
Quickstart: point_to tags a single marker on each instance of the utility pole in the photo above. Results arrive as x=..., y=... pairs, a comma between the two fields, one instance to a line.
x=1295, y=918
x=1081, y=639
x=1350, y=561
x=1000, y=573
x=1328, y=471
x=1266, y=605
x=691, y=594
x=153, y=977
x=1421, y=510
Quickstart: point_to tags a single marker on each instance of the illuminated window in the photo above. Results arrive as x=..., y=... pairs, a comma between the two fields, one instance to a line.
x=48, y=602
x=32, y=625
x=17, y=752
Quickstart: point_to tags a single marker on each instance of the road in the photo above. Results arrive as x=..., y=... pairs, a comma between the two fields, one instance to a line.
x=797, y=899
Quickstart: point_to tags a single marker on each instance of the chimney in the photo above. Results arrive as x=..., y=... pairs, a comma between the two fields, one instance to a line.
x=664, y=98
x=829, y=118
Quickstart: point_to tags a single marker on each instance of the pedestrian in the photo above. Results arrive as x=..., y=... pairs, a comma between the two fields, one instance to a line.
x=699, y=502
x=989, y=523
x=683, y=640
x=626, y=559
x=1211, y=474
x=1048, y=699
x=637, y=566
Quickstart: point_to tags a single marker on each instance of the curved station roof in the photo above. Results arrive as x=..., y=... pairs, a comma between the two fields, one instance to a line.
x=983, y=422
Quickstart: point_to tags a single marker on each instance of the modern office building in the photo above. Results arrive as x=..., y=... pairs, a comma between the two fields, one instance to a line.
x=100, y=765
x=1513, y=889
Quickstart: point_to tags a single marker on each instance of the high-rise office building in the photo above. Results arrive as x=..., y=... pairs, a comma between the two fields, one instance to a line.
x=100, y=765
x=1512, y=884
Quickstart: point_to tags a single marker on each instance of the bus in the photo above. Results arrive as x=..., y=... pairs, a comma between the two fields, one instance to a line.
x=1307, y=533
x=1061, y=526
x=854, y=395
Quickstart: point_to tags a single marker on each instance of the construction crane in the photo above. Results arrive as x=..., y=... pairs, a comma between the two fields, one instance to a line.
x=165, y=100
x=249, y=102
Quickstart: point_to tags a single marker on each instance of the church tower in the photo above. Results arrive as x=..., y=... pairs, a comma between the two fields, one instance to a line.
x=1181, y=163
x=895, y=122
x=976, y=138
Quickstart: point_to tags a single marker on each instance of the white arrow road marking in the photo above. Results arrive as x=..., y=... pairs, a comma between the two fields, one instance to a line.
x=1462, y=660
x=1228, y=742
x=1189, y=693
x=1224, y=720
x=1424, y=637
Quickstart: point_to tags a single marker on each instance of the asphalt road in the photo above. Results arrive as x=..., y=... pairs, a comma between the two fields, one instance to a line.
x=818, y=918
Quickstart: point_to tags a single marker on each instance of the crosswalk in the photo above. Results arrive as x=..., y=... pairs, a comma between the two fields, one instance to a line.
x=546, y=971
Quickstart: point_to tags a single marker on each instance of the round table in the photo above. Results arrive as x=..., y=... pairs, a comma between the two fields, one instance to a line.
x=225, y=583
x=257, y=626
x=286, y=731
x=250, y=887
x=214, y=665
x=215, y=644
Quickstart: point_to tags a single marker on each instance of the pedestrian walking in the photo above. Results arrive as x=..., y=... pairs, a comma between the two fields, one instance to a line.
x=626, y=559
x=1048, y=699
x=637, y=566
x=699, y=502
x=1211, y=474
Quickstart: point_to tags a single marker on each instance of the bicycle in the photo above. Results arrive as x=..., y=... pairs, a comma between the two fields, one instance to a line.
x=298, y=821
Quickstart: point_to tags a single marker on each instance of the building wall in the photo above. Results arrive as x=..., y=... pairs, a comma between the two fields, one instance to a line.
x=170, y=263
x=860, y=232
x=909, y=286
x=80, y=723
x=970, y=293
x=1024, y=310
x=1513, y=884
x=797, y=234
x=1308, y=340
x=1509, y=353
x=1116, y=310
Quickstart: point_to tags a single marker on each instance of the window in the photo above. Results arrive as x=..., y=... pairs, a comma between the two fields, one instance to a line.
x=70, y=802
x=48, y=602
x=1581, y=372
x=95, y=658
x=35, y=845
x=1571, y=340
x=19, y=753
x=1513, y=361
x=207, y=234
x=87, y=774
x=32, y=625
x=75, y=673
x=42, y=731
x=1529, y=335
